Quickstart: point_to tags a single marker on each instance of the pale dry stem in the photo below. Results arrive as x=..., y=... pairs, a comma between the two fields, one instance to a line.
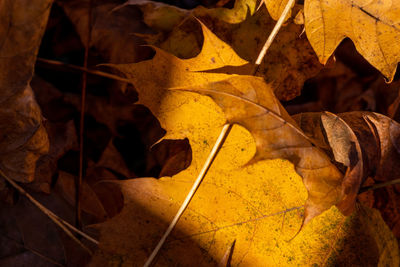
x=83, y=69
x=57, y=220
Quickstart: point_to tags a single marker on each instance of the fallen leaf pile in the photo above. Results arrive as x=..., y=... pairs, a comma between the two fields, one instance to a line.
x=290, y=184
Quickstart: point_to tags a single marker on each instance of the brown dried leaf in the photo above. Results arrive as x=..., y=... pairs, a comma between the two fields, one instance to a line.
x=384, y=153
x=30, y=238
x=23, y=139
x=89, y=200
x=111, y=159
x=365, y=142
x=62, y=137
x=112, y=31
x=331, y=133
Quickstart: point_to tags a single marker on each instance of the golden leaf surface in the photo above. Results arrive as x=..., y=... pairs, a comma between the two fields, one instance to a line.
x=152, y=77
x=373, y=26
x=276, y=7
x=250, y=102
x=259, y=207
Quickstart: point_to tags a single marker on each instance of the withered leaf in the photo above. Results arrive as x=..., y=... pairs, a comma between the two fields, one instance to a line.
x=23, y=138
x=89, y=200
x=332, y=134
x=366, y=143
x=112, y=32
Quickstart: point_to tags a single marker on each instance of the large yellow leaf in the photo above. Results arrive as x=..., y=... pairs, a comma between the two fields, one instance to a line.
x=257, y=207
x=250, y=102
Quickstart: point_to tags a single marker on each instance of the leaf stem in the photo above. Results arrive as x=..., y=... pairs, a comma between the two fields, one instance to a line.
x=377, y=186
x=57, y=220
x=78, y=184
x=218, y=144
x=79, y=68
x=273, y=34
x=222, y=136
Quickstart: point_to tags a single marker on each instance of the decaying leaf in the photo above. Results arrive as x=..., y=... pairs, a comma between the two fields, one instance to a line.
x=62, y=134
x=112, y=32
x=158, y=15
x=62, y=138
x=89, y=200
x=379, y=139
x=366, y=143
x=23, y=139
x=29, y=237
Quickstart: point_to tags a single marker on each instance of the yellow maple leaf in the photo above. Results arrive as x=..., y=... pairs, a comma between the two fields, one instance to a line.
x=290, y=60
x=250, y=102
x=152, y=77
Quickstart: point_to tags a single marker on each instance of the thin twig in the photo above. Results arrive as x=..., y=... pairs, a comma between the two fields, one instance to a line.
x=273, y=34
x=78, y=195
x=71, y=227
x=380, y=185
x=32, y=250
x=79, y=68
x=223, y=135
x=44, y=256
x=57, y=220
